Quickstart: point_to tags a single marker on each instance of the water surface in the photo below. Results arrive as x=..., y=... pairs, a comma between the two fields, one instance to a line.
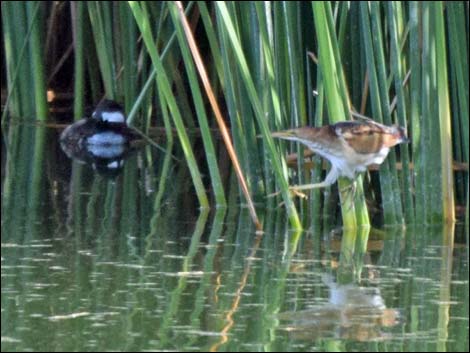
x=129, y=263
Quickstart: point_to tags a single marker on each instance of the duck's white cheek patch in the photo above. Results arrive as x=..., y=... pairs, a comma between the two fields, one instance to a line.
x=113, y=117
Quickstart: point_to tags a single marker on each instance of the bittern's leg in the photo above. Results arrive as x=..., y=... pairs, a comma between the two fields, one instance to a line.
x=330, y=179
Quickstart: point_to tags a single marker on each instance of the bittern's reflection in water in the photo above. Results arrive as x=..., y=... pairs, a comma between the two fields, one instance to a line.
x=352, y=312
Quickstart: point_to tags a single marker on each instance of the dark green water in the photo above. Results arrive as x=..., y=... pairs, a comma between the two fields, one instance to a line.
x=97, y=264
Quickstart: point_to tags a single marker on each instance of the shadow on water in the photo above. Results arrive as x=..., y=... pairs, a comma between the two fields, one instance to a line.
x=130, y=263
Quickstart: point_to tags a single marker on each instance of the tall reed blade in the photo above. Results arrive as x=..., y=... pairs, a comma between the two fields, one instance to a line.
x=142, y=19
x=354, y=212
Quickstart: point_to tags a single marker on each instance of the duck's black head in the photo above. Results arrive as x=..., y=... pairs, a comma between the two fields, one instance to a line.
x=109, y=111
